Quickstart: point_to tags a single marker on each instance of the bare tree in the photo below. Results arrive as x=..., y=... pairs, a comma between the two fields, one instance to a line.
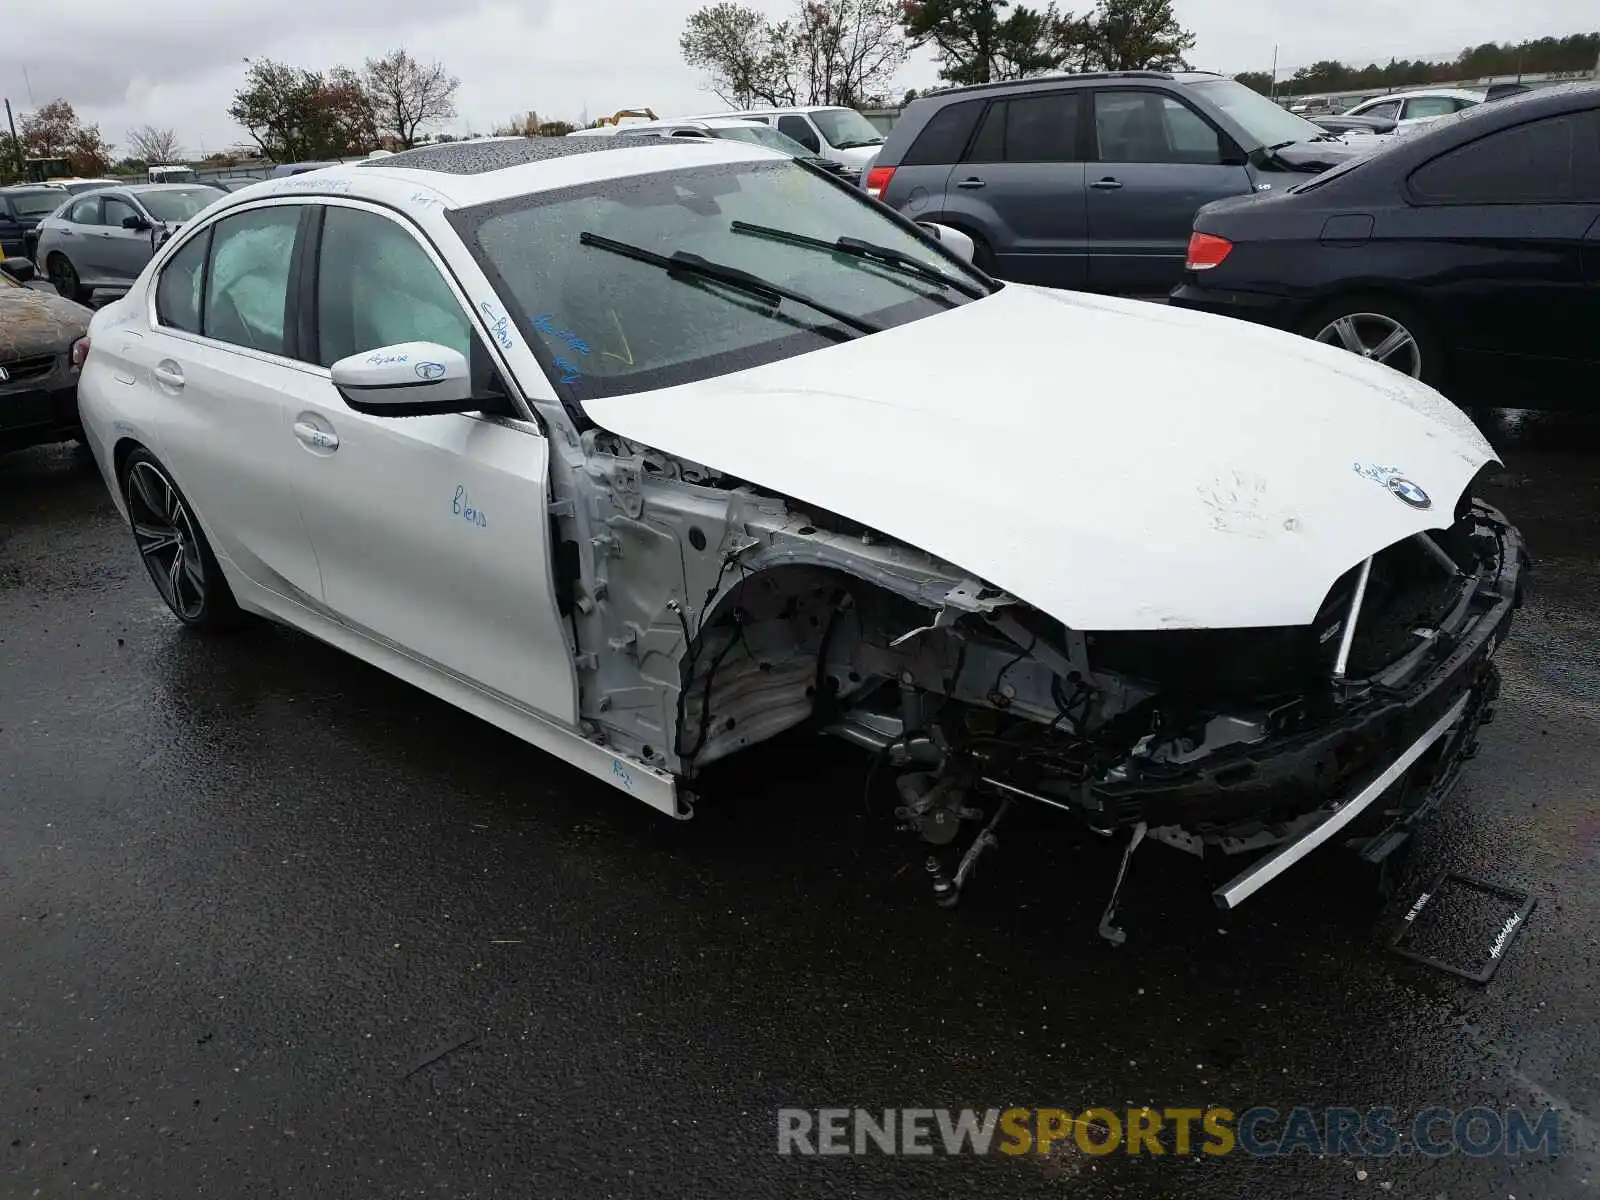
x=849, y=49
x=406, y=95
x=153, y=145
x=749, y=60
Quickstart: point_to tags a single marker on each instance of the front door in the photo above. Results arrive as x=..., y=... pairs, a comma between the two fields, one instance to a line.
x=123, y=252
x=1157, y=162
x=432, y=532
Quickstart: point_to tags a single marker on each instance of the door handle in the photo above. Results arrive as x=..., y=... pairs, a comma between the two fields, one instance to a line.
x=969, y=184
x=169, y=374
x=317, y=439
x=1106, y=185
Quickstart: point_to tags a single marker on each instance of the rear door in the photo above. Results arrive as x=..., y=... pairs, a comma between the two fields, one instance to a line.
x=1156, y=161
x=918, y=186
x=79, y=236
x=1019, y=186
x=1502, y=227
x=220, y=365
x=432, y=532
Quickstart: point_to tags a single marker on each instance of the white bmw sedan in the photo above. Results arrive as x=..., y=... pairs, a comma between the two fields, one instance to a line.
x=651, y=451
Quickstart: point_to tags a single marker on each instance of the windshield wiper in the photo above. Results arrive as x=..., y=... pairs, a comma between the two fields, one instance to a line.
x=681, y=263
x=869, y=250
x=853, y=145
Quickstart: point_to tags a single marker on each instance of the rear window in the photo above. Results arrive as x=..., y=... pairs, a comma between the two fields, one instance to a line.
x=608, y=325
x=37, y=204
x=945, y=135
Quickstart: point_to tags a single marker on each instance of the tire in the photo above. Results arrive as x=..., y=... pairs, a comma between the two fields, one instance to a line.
x=173, y=548
x=1366, y=325
x=64, y=275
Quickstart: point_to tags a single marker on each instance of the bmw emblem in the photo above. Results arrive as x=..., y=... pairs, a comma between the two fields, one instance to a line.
x=1409, y=492
x=433, y=370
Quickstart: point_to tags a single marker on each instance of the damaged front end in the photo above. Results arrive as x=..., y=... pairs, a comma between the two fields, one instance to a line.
x=1216, y=742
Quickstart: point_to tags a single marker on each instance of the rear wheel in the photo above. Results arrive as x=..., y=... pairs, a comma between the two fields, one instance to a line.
x=1380, y=329
x=173, y=548
x=64, y=276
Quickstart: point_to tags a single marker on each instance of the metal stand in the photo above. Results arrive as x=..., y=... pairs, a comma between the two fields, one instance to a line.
x=1108, y=930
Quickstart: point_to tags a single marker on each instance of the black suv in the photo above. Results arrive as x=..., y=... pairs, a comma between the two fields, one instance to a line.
x=1091, y=181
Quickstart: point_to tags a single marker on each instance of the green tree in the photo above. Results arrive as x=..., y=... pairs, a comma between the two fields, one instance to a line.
x=295, y=114
x=749, y=59
x=983, y=40
x=1140, y=35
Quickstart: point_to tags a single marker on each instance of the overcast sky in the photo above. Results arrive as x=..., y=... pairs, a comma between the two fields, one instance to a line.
x=176, y=63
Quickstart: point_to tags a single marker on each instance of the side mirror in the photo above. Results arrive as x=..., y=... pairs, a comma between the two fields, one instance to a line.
x=410, y=379
x=19, y=268
x=952, y=240
x=137, y=223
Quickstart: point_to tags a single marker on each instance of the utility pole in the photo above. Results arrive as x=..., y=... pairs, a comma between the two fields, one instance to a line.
x=16, y=142
x=1274, y=91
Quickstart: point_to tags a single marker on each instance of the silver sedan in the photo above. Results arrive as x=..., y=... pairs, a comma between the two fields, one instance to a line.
x=103, y=239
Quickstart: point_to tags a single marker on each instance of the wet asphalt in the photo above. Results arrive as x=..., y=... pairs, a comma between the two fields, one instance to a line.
x=274, y=924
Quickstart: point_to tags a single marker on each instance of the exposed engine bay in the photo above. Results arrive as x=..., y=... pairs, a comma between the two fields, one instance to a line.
x=742, y=615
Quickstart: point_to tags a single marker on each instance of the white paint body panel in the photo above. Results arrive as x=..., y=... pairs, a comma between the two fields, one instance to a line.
x=1117, y=464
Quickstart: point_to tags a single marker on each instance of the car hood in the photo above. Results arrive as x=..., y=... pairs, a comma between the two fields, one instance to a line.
x=1317, y=156
x=1116, y=464
x=36, y=322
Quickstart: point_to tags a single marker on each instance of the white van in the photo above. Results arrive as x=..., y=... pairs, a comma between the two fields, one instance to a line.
x=173, y=174
x=840, y=135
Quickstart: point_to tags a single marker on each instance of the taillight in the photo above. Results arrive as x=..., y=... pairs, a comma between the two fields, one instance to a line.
x=1207, y=251
x=878, y=181
x=80, y=351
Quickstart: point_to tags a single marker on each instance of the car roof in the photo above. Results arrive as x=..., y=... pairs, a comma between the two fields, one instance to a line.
x=1425, y=94
x=1068, y=79
x=427, y=179
x=11, y=189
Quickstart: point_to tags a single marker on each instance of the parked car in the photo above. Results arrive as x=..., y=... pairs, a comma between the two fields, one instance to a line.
x=1414, y=108
x=282, y=170
x=840, y=135
x=647, y=450
x=41, y=347
x=1091, y=181
x=1362, y=126
x=21, y=209
x=1467, y=256
x=739, y=129
x=103, y=239
x=232, y=185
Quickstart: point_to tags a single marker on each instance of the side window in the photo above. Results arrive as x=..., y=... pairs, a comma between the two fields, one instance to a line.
x=1147, y=127
x=376, y=286
x=944, y=136
x=1430, y=106
x=1535, y=163
x=85, y=212
x=1388, y=111
x=990, y=144
x=1043, y=129
x=247, y=289
x=178, y=289
x=800, y=130
x=116, y=210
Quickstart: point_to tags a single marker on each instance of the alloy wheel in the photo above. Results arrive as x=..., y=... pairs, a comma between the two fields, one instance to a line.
x=165, y=535
x=63, y=277
x=1378, y=337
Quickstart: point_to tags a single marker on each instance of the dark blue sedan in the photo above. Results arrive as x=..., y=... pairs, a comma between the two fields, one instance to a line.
x=1467, y=255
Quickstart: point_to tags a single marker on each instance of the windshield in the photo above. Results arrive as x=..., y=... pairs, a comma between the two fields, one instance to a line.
x=178, y=204
x=845, y=127
x=606, y=324
x=38, y=204
x=763, y=135
x=1267, y=122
